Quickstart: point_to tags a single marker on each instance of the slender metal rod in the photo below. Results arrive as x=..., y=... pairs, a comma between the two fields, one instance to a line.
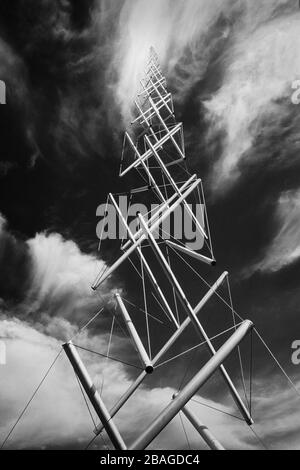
x=190, y=312
x=174, y=185
x=150, y=110
x=203, y=430
x=159, y=423
x=174, y=162
x=102, y=277
x=156, y=110
x=163, y=98
x=146, y=265
x=148, y=153
x=165, y=348
x=160, y=81
x=95, y=399
x=134, y=336
x=148, y=123
x=191, y=253
x=146, y=88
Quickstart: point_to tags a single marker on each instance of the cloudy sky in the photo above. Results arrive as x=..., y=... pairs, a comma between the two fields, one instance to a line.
x=72, y=70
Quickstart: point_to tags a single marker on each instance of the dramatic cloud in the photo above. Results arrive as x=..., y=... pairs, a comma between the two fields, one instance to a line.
x=62, y=277
x=57, y=301
x=230, y=65
x=174, y=28
x=47, y=281
x=58, y=416
x=48, y=274
x=15, y=265
x=285, y=247
x=261, y=66
x=185, y=34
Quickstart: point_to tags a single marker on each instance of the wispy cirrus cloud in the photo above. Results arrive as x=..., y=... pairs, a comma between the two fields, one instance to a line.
x=284, y=249
x=259, y=69
x=176, y=29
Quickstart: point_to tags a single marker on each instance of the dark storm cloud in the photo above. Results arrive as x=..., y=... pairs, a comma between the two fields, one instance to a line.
x=18, y=147
x=64, y=47
x=15, y=265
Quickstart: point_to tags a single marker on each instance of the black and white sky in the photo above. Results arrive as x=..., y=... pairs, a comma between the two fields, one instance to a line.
x=72, y=68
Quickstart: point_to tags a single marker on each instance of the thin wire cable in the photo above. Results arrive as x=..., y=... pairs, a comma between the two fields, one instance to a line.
x=124, y=332
x=86, y=402
x=93, y=440
x=168, y=258
x=101, y=235
x=173, y=289
x=122, y=155
x=260, y=440
x=241, y=318
x=30, y=400
x=87, y=324
x=251, y=370
x=278, y=363
x=216, y=409
x=207, y=284
x=146, y=307
x=187, y=370
x=207, y=220
x=195, y=347
x=107, y=354
x=125, y=235
x=238, y=348
x=142, y=310
x=136, y=269
x=109, y=357
x=184, y=430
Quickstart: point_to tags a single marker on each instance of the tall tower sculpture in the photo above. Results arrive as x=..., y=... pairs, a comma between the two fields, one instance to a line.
x=155, y=150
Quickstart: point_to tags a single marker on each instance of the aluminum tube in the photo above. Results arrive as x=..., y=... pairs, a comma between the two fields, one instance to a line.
x=163, y=419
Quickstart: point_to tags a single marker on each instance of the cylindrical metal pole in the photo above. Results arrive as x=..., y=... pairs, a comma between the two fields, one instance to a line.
x=203, y=430
x=164, y=349
x=191, y=253
x=190, y=312
x=191, y=388
x=134, y=336
x=90, y=389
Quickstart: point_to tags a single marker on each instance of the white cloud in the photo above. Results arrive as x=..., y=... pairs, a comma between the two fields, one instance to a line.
x=61, y=278
x=58, y=413
x=60, y=299
x=58, y=416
